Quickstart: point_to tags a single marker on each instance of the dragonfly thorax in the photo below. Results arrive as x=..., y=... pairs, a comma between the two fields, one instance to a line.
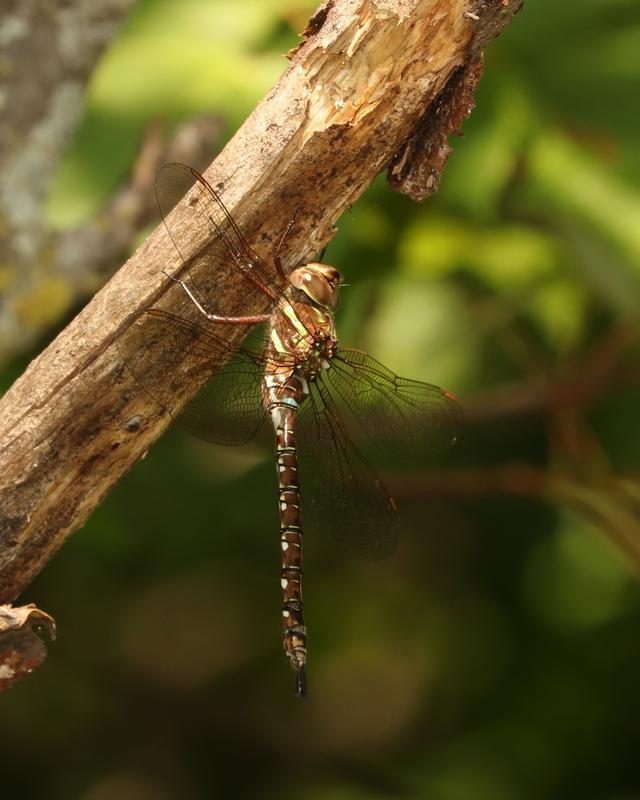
x=311, y=361
x=303, y=336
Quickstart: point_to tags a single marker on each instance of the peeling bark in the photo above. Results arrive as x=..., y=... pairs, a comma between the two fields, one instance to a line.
x=353, y=97
x=417, y=169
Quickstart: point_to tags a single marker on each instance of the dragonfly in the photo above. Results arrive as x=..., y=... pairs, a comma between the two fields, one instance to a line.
x=315, y=393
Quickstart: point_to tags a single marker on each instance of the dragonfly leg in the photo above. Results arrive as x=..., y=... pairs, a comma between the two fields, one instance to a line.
x=246, y=320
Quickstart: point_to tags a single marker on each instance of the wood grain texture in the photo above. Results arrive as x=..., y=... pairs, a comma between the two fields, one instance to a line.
x=353, y=101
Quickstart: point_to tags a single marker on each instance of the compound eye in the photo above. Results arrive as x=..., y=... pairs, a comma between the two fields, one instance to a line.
x=315, y=286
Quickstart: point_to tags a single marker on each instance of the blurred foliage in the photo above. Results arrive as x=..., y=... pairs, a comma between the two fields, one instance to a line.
x=495, y=656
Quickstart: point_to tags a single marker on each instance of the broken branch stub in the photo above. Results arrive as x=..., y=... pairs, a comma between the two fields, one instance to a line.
x=23, y=632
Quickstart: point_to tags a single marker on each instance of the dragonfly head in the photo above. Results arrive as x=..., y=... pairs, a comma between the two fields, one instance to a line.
x=320, y=282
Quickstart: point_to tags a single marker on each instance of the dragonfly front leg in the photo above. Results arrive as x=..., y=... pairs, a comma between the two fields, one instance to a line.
x=246, y=320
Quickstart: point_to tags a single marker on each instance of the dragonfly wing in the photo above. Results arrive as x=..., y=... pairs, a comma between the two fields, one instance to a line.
x=395, y=412
x=168, y=354
x=226, y=249
x=342, y=495
x=230, y=408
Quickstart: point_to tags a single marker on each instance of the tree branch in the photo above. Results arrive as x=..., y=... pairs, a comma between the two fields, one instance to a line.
x=353, y=97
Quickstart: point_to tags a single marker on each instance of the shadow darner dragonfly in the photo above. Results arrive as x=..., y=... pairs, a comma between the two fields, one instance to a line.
x=298, y=376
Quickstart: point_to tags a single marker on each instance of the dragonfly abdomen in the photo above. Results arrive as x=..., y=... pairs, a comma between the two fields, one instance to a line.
x=284, y=399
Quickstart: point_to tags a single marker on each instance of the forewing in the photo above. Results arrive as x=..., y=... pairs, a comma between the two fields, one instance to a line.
x=168, y=356
x=341, y=494
x=225, y=249
x=395, y=412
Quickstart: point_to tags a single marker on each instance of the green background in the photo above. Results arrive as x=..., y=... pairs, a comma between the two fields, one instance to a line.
x=495, y=655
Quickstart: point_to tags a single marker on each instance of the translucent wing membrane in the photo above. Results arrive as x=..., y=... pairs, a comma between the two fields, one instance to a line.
x=341, y=494
x=226, y=250
x=393, y=411
x=230, y=408
x=168, y=354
